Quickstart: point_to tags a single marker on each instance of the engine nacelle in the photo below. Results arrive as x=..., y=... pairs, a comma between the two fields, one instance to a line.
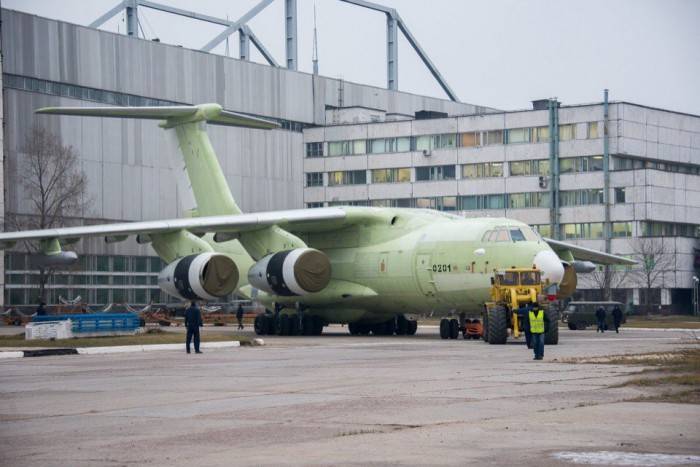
x=206, y=276
x=292, y=272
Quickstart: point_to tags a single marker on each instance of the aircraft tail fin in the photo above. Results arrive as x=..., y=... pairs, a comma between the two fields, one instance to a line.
x=209, y=186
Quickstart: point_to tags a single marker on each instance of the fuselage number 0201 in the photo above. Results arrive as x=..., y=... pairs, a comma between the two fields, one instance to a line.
x=442, y=268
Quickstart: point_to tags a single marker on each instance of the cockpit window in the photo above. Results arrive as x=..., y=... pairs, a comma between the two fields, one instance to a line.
x=502, y=235
x=530, y=235
x=517, y=235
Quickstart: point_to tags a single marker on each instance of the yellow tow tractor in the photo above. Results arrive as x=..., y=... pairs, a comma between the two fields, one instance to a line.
x=511, y=289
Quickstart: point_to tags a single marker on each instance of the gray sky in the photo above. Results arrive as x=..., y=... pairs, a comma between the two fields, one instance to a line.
x=498, y=53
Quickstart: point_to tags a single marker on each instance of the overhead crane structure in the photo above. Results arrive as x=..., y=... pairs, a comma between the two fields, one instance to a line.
x=394, y=24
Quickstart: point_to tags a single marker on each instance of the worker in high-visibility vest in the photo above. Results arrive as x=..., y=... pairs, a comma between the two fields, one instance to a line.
x=539, y=321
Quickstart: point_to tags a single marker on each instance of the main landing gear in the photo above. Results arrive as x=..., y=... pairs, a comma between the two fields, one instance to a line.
x=399, y=325
x=288, y=324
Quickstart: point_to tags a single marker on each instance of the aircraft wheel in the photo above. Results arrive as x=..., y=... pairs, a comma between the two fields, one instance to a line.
x=444, y=328
x=401, y=325
x=498, y=325
x=365, y=329
x=572, y=326
x=412, y=327
x=294, y=325
x=454, y=329
x=551, y=335
x=260, y=325
x=283, y=325
x=307, y=326
x=390, y=327
x=317, y=326
x=352, y=329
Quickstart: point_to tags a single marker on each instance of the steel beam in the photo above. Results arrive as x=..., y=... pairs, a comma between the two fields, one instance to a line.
x=243, y=44
x=261, y=48
x=186, y=13
x=392, y=52
x=107, y=16
x=290, y=28
x=370, y=5
x=235, y=26
x=423, y=56
x=132, y=18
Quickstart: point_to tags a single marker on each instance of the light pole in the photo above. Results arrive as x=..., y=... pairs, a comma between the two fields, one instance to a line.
x=696, y=293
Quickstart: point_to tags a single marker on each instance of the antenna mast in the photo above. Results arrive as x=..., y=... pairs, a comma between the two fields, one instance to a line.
x=314, y=57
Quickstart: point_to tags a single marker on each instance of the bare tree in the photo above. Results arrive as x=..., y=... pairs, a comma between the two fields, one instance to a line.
x=607, y=278
x=654, y=258
x=55, y=186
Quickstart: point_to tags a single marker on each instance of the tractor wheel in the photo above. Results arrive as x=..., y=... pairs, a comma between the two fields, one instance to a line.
x=498, y=325
x=260, y=325
x=454, y=329
x=412, y=327
x=401, y=325
x=444, y=328
x=485, y=332
x=551, y=335
x=572, y=326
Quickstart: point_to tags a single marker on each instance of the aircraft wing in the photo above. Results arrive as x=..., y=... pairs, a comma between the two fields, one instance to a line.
x=299, y=220
x=587, y=254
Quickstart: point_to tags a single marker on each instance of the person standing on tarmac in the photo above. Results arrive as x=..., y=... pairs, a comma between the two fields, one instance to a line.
x=538, y=321
x=41, y=311
x=193, y=321
x=600, y=317
x=617, y=318
x=239, y=316
x=523, y=314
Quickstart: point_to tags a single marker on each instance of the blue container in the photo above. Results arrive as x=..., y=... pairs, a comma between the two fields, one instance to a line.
x=96, y=322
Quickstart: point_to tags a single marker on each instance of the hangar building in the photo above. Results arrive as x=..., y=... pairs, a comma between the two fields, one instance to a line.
x=339, y=143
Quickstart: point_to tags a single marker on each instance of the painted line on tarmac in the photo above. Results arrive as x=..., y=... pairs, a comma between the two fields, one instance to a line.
x=113, y=349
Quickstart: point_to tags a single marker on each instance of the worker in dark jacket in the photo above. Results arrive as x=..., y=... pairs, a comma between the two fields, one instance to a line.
x=600, y=317
x=539, y=322
x=193, y=321
x=617, y=318
x=41, y=311
x=523, y=314
x=239, y=316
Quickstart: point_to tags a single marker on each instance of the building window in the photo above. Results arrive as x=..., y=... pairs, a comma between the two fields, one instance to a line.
x=440, y=203
x=534, y=199
x=315, y=205
x=621, y=229
x=531, y=167
x=581, y=197
x=518, y=135
x=314, y=149
x=435, y=173
x=471, y=139
x=620, y=195
x=347, y=148
x=566, y=132
x=494, y=137
x=581, y=164
x=391, y=175
x=482, y=170
x=544, y=230
x=541, y=134
x=591, y=230
x=392, y=203
x=592, y=130
x=314, y=179
x=350, y=177
x=478, y=202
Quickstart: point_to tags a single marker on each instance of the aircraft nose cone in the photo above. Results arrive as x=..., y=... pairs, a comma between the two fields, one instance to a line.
x=549, y=263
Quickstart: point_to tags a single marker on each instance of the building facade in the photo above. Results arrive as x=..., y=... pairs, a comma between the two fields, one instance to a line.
x=546, y=167
x=133, y=168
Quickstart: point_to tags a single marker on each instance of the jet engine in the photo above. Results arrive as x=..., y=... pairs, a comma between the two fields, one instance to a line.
x=205, y=276
x=291, y=272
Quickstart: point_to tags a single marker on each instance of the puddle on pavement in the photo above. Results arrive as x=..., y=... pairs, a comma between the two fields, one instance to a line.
x=626, y=458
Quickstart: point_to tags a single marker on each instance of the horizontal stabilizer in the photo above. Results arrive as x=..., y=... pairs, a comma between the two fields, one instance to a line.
x=171, y=115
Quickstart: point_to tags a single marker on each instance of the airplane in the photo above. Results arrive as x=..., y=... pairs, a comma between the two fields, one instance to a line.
x=369, y=267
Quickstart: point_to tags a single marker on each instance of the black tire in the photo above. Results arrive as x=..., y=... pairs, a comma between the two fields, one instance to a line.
x=498, y=326
x=454, y=329
x=444, y=328
x=390, y=327
x=401, y=325
x=364, y=329
x=485, y=332
x=260, y=325
x=294, y=325
x=412, y=327
x=307, y=326
x=283, y=327
x=317, y=325
x=271, y=328
x=353, y=329
x=572, y=326
x=551, y=334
